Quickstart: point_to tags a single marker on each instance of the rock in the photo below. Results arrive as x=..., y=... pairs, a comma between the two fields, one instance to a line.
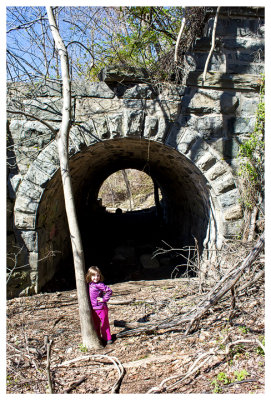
x=123, y=73
x=234, y=213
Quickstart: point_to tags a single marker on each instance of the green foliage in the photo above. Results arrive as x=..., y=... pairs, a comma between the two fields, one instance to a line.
x=150, y=32
x=83, y=348
x=240, y=375
x=244, y=329
x=223, y=379
x=251, y=156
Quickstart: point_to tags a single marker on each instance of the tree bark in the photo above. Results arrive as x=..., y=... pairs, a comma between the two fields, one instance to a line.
x=128, y=188
x=88, y=333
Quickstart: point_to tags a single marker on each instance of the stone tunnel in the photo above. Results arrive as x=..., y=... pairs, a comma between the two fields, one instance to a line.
x=185, y=137
x=183, y=214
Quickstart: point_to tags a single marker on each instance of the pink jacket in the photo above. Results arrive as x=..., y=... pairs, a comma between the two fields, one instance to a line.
x=99, y=290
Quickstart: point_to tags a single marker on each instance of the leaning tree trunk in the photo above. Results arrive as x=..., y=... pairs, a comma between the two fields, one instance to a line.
x=89, y=336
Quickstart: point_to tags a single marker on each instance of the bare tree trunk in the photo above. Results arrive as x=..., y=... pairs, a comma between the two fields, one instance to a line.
x=88, y=332
x=128, y=188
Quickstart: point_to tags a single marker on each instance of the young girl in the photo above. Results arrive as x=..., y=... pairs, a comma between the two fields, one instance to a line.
x=99, y=295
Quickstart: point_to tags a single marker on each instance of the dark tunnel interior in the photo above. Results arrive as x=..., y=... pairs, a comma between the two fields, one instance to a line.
x=123, y=244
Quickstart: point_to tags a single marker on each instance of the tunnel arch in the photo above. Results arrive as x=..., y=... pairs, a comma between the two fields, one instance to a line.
x=185, y=209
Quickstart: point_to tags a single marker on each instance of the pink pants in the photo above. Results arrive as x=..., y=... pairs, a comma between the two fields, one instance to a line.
x=101, y=323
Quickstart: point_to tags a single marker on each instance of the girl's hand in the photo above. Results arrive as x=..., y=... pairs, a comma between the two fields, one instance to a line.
x=100, y=299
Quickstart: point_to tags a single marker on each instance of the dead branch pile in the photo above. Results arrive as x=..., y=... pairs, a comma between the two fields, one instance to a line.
x=192, y=317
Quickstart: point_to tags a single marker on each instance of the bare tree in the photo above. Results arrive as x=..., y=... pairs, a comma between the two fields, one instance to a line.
x=88, y=333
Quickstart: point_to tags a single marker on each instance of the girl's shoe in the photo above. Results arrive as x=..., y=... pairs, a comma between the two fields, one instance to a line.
x=109, y=342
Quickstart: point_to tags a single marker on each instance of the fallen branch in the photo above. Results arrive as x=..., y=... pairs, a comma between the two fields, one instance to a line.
x=48, y=345
x=234, y=275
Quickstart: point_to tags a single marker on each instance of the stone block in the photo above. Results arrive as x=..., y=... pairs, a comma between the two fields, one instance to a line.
x=171, y=92
x=123, y=73
x=37, y=176
x=249, y=105
x=228, y=148
x=115, y=124
x=243, y=44
x=167, y=109
x=151, y=125
x=31, y=133
x=27, y=188
x=246, y=68
x=206, y=161
x=101, y=128
x=232, y=229
x=86, y=108
x=24, y=221
x=47, y=162
x=87, y=132
x=14, y=181
x=139, y=91
x=209, y=126
x=202, y=103
x=216, y=171
x=240, y=125
x=224, y=184
x=164, y=126
x=225, y=80
x=26, y=204
x=230, y=198
x=45, y=108
x=133, y=123
x=189, y=137
x=233, y=213
x=76, y=140
x=92, y=89
x=30, y=239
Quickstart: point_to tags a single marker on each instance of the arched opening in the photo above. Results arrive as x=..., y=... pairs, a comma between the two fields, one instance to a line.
x=129, y=190
x=122, y=244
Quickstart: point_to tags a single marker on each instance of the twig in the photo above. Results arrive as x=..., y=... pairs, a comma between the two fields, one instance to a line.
x=48, y=345
x=75, y=384
x=233, y=303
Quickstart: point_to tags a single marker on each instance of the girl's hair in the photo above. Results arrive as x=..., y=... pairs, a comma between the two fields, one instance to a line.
x=92, y=271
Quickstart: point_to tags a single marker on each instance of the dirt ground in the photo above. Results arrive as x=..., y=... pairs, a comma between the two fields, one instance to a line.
x=148, y=358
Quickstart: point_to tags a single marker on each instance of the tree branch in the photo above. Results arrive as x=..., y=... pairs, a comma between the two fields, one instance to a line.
x=179, y=38
x=33, y=117
x=212, y=47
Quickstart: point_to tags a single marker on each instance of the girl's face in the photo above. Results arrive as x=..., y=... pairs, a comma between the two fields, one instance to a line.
x=96, y=277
